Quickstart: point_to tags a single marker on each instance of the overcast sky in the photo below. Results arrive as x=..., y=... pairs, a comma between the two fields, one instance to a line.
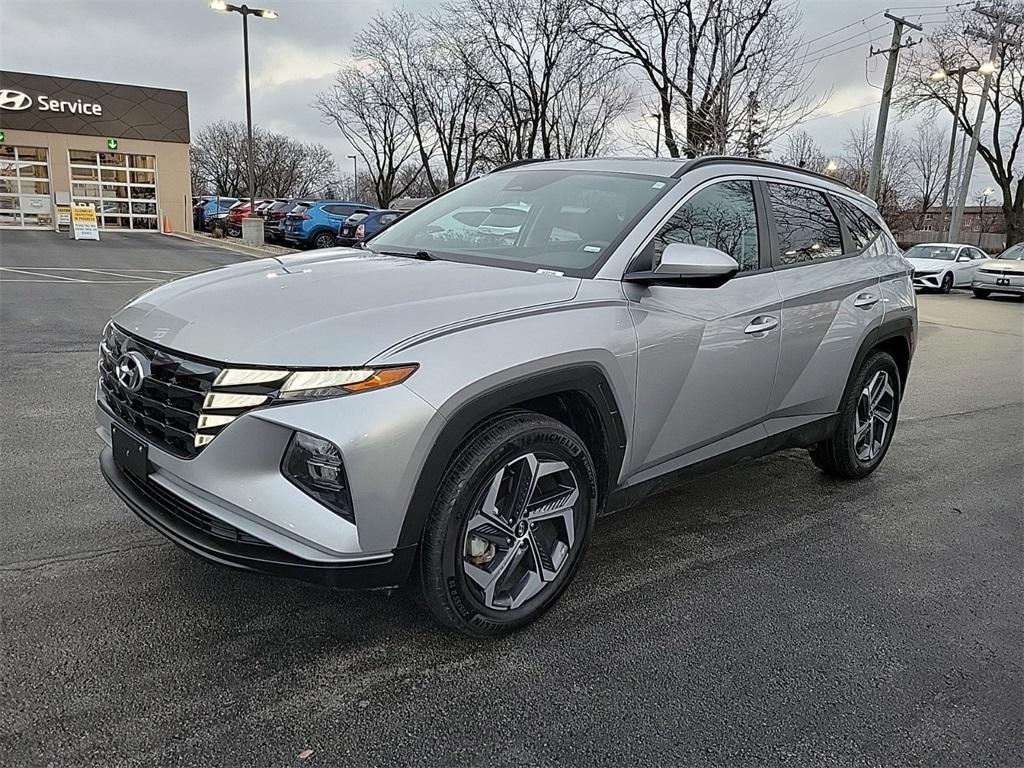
x=181, y=44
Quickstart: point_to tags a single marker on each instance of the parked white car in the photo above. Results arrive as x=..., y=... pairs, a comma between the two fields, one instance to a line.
x=1003, y=274
x=944, y=266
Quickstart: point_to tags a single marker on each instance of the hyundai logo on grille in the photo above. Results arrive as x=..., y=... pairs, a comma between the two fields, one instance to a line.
x=15, y=101
x=131, y=370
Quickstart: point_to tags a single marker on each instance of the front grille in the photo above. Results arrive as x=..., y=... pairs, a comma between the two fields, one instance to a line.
x=180, y=406
x=166, y=409
x=993, y=271
x=190, y=515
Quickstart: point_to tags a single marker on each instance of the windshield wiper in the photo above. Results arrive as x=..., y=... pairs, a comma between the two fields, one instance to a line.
x=421, y=255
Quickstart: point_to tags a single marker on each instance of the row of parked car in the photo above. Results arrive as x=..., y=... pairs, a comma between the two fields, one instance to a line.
x=294, y=222
x=944, y=266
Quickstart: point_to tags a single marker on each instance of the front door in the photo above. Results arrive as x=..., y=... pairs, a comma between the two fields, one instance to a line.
x=707, y=356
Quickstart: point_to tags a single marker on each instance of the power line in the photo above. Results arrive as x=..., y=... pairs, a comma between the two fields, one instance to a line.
x=842, y=111
x=865, y=31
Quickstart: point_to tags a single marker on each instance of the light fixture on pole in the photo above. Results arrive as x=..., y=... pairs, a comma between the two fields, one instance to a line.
x=938, y=76
x=657, y=133
x=831, y=166
x=245, y=11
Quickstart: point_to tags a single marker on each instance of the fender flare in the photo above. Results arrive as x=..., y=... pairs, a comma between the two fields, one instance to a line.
x=588, y=380
x=891, y=328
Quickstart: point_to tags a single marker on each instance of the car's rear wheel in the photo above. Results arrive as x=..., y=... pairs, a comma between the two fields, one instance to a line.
x=509, y=525
x=981, y=293
x=866, y=421
x=323, y=240
x=947, y=283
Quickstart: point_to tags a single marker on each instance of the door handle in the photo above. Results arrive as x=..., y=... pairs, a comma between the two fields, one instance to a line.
x=761, y=324
x=865, y=300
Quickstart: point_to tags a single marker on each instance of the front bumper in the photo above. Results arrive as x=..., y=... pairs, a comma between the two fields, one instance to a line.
x=199, y=533
x=929, y=282
x=999, y=283
x=236, y=483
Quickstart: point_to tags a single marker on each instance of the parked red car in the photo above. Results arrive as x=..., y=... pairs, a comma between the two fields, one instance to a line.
x=240, y=210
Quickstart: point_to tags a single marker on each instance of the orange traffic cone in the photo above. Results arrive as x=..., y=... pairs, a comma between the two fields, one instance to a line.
x=167, y=225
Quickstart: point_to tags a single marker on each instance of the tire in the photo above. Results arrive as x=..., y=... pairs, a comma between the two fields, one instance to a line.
x=947, y=283
x=981, y=293
x=322, y=240
x=846, y=453
x=494, y=582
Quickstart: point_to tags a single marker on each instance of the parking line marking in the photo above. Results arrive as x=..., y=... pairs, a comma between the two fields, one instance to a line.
x=43, y=274
x=119, y=274
x=72, y=282
x=92, y=269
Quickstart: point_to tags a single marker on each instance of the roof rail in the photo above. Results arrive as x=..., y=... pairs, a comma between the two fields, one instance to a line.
x=716, y=159
x=516, y=163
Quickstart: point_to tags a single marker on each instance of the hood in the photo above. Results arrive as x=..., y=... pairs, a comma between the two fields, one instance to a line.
x=337, y=307
x=931, y=264
x=1005, y=265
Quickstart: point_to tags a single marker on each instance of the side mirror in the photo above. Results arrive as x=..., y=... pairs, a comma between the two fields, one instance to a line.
x=963, y=257
x=686, y=264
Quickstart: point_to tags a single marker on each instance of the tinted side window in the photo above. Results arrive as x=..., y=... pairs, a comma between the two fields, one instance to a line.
x=862, y=228
x=807, y=228
x=721, y=216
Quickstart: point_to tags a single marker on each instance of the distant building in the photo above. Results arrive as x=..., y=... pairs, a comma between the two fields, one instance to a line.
x=977, y=218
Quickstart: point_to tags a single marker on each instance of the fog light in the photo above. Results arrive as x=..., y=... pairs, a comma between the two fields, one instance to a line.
x=315, y=466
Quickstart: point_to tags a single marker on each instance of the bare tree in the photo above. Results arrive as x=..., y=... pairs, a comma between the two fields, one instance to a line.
x=855, y=165
x=284, y=166
x=803, y=152
x=364, y=106
x=927, y=159
x=526, y=56
x=724, y=69
x=954, y=45
x=438, y=96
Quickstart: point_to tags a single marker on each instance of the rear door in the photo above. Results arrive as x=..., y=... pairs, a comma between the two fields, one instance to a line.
x=706, y=356
x=831, y=300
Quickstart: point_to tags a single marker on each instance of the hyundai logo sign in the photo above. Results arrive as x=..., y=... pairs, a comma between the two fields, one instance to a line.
x=14, y=101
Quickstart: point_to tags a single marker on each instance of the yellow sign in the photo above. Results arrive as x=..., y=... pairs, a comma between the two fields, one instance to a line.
x=83, y=222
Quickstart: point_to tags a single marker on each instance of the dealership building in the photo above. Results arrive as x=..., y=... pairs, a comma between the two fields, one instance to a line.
x=123, y=148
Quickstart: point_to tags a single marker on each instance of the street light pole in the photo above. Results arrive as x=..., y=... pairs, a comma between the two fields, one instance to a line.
x=248, y=113
x=657, y=132
x=355, y=176
x=952, y=141
x=245, y=11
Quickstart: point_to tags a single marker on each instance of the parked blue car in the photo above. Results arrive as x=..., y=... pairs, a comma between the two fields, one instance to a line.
x=209, y=207
x=315, y=223
x=359, y=226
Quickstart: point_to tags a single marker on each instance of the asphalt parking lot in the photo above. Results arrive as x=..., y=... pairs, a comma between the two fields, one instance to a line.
x=763, y=615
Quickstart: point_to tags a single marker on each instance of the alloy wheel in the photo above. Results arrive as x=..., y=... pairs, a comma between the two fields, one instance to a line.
x=521, y=531
x=873, y=419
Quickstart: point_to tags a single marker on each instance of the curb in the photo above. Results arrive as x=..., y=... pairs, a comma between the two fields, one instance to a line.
x=245, y=250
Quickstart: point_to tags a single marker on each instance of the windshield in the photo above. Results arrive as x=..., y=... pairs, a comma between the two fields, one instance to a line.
x=560, y=220
x=1013, y=253
x=943, y=252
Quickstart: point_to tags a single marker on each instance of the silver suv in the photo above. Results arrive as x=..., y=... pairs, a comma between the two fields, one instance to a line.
x=455, y=404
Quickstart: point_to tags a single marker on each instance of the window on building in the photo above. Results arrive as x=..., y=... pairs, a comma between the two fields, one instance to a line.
x=807, y=228
x=25, y=187
x=122, y=187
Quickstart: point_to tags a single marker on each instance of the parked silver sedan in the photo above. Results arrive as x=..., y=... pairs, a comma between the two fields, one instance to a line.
x=1003, y=274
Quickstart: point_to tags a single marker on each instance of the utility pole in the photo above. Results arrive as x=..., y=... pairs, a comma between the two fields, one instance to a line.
x=883, y=109
x=988, y=68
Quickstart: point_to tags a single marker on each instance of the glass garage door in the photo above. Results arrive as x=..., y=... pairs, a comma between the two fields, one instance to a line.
x=120, y=185
x=24, y=187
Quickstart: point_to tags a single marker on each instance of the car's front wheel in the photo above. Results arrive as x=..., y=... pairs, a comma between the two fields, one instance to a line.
x=866, y=421
x=947, y=283
x=509, y=525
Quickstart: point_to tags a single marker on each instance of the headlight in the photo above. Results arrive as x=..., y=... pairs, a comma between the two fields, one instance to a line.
x=314, y=465
x=305, y=385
